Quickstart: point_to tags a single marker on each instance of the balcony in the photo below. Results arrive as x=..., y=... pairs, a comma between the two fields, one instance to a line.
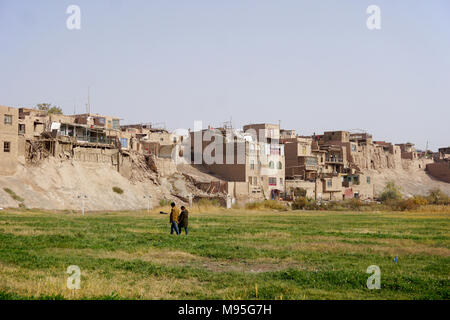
x=334, y=160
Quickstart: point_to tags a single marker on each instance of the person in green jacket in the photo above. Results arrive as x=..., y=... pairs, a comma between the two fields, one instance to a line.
x=183, y=220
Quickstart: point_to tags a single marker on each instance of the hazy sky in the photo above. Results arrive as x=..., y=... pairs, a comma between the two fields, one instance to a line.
x=314, y=64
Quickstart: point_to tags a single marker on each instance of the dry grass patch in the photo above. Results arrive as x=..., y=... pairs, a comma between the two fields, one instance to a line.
x=127, y=285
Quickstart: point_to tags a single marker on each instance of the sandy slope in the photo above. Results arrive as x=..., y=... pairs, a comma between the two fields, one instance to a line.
x=56, y=184
x=411, y=180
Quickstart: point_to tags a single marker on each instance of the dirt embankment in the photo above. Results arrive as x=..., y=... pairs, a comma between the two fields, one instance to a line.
x=411, y=177
x=56, y=184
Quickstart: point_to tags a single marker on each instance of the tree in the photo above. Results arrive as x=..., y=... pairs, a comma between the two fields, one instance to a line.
x=391, y=192
x=47, y=107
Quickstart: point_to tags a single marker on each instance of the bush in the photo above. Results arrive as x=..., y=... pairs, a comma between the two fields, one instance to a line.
x=403, y=205
x=204, y=202
x=419, y=200
x=390, y=192
x=436, y=196
x=300, y=192
x=164, y=202
x=117, y=190
x=355, y=204
x=305, y=203
x=300, y=203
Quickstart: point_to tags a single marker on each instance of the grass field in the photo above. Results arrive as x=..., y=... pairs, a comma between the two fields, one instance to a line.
x=232, y=254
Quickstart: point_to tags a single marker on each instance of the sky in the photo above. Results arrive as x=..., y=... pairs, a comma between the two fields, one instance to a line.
x=313, y=66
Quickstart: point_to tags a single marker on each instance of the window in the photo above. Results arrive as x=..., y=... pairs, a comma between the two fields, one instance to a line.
x=330, y=183
x=279, y=166
x=252, y=165
x=304, y=150
x=281, y=181
x=255, y=181
x=368, y=180
x=116, y=124
x=272, y=181
x=124, y=142
x=99, y=121
x=8, y=119
x=21, y=128
x=311, y=161
x=275, y=150
x=6, y=146
x=271, y=165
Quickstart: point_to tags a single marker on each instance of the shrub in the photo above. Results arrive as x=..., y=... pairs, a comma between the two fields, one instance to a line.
x=204, y=202
x=305, y=203
x=419, y=200
x=300, y=192
x=436, y=196
x=355, y=204
x=164, y=202
x=390, y=192
x=117, y=190
x=300, y=203
x=404, y=205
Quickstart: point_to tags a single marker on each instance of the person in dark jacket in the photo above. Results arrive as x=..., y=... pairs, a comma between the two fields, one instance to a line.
x=183, y=220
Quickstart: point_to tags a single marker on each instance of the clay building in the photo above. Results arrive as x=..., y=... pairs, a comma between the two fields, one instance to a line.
x=408, y=151
x=9, y=140
x=251, y=161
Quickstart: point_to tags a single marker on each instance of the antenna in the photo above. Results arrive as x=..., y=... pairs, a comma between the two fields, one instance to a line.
x=88, y=106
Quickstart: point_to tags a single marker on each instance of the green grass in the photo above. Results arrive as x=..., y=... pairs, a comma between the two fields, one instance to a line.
x=286, y=255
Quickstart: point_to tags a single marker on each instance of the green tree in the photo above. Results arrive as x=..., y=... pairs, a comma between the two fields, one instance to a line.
x=47, y=107
x=391, y=192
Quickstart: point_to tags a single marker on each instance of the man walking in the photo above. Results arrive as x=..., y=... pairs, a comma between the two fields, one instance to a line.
x=183, y=220
x=174, y=213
